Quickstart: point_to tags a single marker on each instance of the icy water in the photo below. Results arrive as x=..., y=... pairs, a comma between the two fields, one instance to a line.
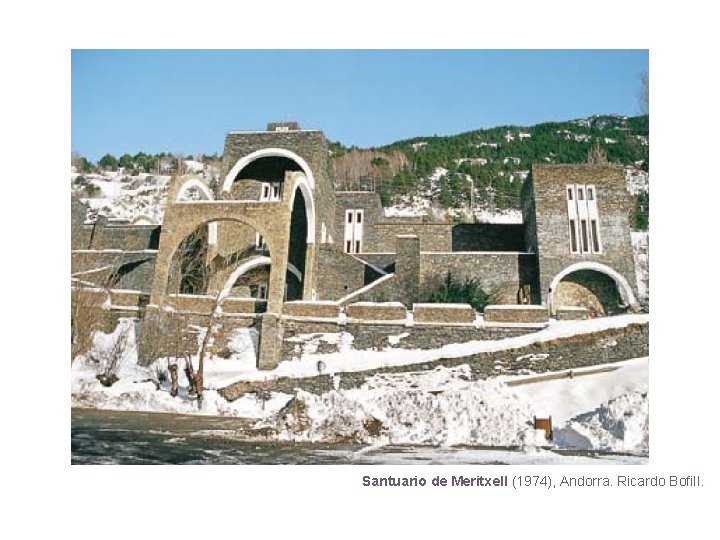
x=113, y=437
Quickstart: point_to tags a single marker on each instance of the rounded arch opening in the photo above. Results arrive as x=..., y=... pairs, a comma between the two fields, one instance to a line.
x=245, y=161
x=592, y=285
x=194, y=189
x=302, y=187
x=199, y=268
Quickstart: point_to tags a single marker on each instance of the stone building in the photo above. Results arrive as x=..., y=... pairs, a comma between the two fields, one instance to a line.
x=286, y=242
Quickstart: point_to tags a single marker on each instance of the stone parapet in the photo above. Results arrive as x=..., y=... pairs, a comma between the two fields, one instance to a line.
x=443, y=313
x=377, y=311
x=302, y=308
x=516, y=314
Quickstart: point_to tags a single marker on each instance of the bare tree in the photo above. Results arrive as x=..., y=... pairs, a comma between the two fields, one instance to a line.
x=108, y=356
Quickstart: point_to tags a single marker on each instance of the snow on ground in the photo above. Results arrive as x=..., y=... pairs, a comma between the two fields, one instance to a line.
x=141, y=388
x=619, y=425
x=641, y=256
x=408, y=207
x=192, y=166
x=562, y=398
x=600, y=407
x=109, y=189
x=143, y=195
x=602, y=411
x=443, y=407
x=510, y=216
x=440, y=408
x=127, y=197
x=638, y=181
x=310, y=343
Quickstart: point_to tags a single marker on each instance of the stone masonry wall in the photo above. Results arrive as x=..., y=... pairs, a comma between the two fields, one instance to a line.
x=340, y=273
x=499, y=274
x=391, y=335
x=367, y=201
x=126, y=237
x=488, y=237
x=433, y=236
x=600, y=347
x=131, y=270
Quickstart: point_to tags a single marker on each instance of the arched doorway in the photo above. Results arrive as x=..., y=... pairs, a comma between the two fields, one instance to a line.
x=594, y=286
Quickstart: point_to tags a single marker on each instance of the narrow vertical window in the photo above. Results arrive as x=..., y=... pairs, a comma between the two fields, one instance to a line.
x=262, y=292
x=581, y=195
x=573, y=236
x=594, y=217
x=348, y=246
x=595, y=237
x=349, y=217
x=357, y=246
x=584, y=236
x=569, y=194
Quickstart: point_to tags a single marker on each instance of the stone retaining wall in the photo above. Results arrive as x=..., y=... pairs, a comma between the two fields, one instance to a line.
x=601, y=347
x=388, y=335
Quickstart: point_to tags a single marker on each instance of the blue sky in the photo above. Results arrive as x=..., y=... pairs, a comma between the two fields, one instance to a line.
x=185, y=101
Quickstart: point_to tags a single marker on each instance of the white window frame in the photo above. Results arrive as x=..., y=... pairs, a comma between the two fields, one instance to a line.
x=594, y=216
x=271, y=191
x=583, y=210
x=354, y=224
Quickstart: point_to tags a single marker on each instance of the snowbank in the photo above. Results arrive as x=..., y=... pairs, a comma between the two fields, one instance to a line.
x=437, y=408
x=619, y=425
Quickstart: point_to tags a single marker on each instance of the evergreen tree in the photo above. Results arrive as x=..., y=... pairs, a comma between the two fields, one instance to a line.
x=108, y=162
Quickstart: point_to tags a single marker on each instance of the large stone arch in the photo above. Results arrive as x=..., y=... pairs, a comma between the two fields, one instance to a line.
x=185, y=220
x=266, y=152
x=626, y=292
